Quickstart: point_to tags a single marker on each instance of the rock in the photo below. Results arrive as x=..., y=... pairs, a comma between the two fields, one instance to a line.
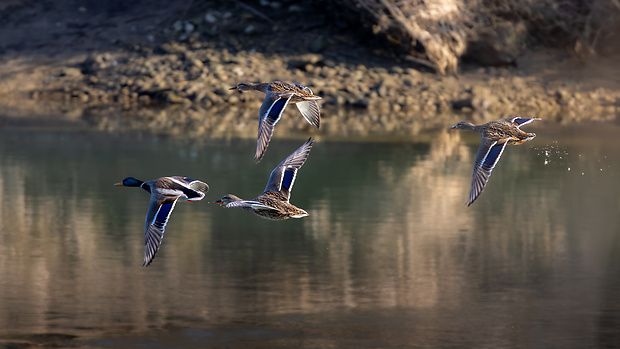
x=382, y=91
x=499, y=46
x=221, y=92
x=318, y=45
x=298, y=62
x=195, y=62
x=250, y=29
x=177, y=26
x=340, y=100
x=83, y=97
x=70, y=72
x=189, y=27
x=482, y=98
x=210, y=18
x=562, y=97
x=233, y=99
x=172, y=47
x=172, y=98
x=96, y=62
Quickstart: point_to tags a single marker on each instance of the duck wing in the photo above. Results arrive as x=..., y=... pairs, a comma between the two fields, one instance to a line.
x=157, y=217
x=310, y=109
x=270, y=113
x=283, y=176
x=187, y=188
x=250, y=204
x=519, y=121
x=488, y=155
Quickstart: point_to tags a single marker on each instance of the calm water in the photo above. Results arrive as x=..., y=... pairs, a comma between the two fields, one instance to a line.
x=390, y=256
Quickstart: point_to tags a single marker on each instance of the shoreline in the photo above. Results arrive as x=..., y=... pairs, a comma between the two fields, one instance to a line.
x=161, y=73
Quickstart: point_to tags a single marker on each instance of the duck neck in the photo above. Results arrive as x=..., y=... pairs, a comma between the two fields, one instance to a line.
x=469, y=127
x=145, y=186
x=261, y=86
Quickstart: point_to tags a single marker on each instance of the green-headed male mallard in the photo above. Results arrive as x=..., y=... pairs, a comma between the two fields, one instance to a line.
x=274, y=203
x=165, y=192
x=495, y=136
x=278, y=95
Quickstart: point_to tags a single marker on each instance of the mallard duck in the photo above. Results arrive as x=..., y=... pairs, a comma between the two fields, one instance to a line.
x=278, y=95
x=274, y=203
x=165, y=192
x=495, y=136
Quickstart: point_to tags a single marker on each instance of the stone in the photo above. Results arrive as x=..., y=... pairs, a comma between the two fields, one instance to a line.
x=177, y=26
x=189, y=27
x=70, y=72
x=210, y=18
x=318, y=45
x=172, y=98
x=500, y=46
x=301, y=61
x=482, y=98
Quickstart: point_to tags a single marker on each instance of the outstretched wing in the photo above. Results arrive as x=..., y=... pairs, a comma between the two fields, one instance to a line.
x=156, y=219
x=187, y=188
x=488, y=155
x=250, y=204
x=283, y=176
x=310, y=109
x=270, y=113
x=519, y=121
x=200, y=187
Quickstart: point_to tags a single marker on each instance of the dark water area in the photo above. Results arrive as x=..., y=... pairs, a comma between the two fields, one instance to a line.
x=389, y=257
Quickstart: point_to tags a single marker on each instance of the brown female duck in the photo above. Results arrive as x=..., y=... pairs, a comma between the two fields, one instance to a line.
x=274, y=202
x=495, y=136
x=278, y=95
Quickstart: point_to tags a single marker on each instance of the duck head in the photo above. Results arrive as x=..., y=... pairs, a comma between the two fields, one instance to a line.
x=244, y=86
x=227, y=199
x=462, y=126
x=129, y=182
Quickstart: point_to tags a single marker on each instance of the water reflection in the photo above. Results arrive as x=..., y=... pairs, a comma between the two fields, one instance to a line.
x=390, y=255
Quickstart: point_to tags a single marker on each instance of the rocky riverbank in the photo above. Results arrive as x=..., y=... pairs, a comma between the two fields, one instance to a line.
x=181, y=81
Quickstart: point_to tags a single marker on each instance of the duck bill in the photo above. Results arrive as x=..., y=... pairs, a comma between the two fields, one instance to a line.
x=119, y=184
x=218, y=202
x=453, y=128
x=234, y=88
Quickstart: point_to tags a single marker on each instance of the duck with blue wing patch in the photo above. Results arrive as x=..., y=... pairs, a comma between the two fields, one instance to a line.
x=165, y=193
x=274, y=203
x=278, y=95
x=495, y=136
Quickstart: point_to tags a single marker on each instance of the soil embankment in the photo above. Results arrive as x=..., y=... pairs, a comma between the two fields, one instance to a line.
x=89, y=60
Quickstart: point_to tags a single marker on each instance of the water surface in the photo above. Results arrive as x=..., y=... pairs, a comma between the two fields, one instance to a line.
x=389, y=257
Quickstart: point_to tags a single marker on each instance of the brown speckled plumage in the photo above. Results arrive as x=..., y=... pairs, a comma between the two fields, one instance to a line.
x=274, y=203
x=495, y=136
x=278, y=94
x=280, y=208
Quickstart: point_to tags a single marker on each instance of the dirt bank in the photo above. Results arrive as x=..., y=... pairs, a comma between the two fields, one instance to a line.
x=91, y=60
